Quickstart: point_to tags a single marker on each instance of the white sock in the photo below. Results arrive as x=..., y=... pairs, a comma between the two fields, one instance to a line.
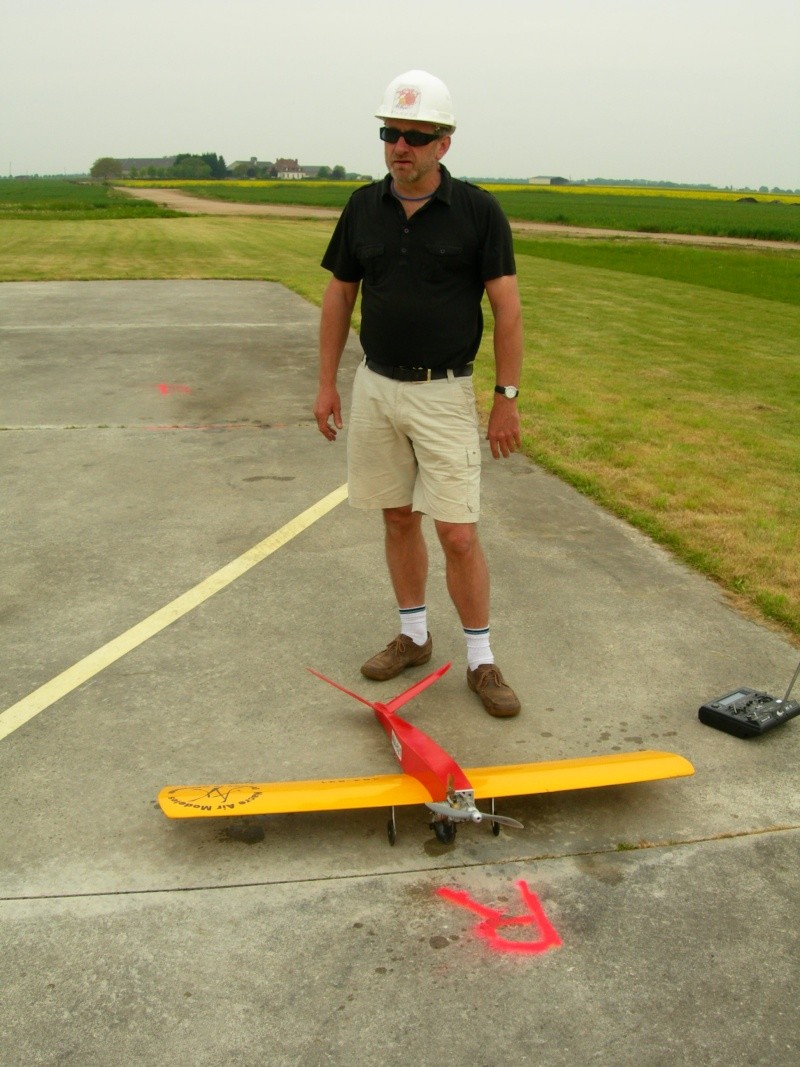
x=478, y=648
x=414, y=624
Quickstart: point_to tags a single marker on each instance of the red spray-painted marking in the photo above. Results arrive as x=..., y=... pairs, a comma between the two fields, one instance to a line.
x=212, y=427
x=165, y=387
x=493, y=919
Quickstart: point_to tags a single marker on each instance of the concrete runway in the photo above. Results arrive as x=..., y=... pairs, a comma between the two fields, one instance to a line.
x=155, y=433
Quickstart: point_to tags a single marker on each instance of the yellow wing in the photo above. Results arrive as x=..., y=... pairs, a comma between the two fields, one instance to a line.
x=587, y=772
x=396, y=790
x=276, y=798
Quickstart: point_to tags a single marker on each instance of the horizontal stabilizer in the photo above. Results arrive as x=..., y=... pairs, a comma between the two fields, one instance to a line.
x=396, y=702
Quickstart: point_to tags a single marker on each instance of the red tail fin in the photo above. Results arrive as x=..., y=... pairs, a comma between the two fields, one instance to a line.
x=396, y=702
x=412, y=691
x=341, y=687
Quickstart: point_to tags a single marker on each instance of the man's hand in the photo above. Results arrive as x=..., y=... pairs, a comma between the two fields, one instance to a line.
x=337, y=309
x=327, y=406
x=504, y=435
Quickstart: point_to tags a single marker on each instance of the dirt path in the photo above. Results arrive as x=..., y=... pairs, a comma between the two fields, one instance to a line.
x=177, y=200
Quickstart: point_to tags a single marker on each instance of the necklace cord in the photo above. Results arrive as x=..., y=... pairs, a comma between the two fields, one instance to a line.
x=410, y=198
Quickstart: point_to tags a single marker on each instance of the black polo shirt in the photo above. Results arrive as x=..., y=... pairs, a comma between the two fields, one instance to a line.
x=422, y=278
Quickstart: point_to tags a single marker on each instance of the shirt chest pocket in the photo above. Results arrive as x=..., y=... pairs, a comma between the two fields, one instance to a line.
x=443, y=260
x=373, y=262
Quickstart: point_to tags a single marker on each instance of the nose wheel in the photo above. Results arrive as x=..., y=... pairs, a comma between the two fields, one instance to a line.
x=444, y=825
x=445, y=830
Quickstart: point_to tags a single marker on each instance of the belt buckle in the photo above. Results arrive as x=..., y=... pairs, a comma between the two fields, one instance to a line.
x=414, y=374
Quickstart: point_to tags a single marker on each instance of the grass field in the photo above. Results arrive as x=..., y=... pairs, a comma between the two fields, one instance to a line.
x=770, y=219
x=750, y=272
x=775, y=218
x=45, y=198
x=663, y=382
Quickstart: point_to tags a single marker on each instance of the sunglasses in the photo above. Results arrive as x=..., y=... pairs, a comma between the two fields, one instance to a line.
x=413, y=138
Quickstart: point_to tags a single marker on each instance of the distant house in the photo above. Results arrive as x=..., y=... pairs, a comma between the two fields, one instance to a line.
x=547, y=179
x=250, y=168
x=289, y=170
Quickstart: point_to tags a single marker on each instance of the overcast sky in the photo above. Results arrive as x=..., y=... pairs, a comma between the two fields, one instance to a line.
x=694, y=91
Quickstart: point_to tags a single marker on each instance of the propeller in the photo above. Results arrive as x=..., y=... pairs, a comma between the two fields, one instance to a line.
x=471, y=815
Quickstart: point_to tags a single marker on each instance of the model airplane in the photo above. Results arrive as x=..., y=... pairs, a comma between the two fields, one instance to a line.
x=430, y=776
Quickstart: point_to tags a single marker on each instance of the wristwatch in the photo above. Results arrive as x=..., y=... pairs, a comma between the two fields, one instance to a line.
x=509, y=391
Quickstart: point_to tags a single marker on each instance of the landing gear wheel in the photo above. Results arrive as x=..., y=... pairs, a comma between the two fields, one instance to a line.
x=496, y=829
x=391, y=831
x=445, y=831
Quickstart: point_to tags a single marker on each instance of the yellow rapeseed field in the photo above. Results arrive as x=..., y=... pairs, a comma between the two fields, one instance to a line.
x=494, y=187
x=642, y=190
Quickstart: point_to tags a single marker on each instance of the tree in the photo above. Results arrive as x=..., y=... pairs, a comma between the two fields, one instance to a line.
x=216, y=163
x=338, y=173
x=189, y=166
x=106, y=168
x=207, y=165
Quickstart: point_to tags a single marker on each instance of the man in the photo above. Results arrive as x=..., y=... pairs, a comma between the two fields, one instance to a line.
x=423, y=247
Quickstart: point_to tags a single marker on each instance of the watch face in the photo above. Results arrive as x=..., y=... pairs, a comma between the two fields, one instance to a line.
x=507, y=390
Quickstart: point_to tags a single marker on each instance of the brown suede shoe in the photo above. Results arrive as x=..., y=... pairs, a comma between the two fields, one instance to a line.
x=400, y=653
x=498, y=698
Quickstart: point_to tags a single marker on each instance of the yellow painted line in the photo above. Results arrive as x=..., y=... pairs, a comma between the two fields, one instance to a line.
x=40, y=699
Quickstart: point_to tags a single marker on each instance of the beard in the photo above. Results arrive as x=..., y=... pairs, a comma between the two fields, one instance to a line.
x=407, y=170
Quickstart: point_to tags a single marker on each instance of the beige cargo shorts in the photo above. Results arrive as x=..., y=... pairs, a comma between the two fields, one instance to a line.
x=414, y=443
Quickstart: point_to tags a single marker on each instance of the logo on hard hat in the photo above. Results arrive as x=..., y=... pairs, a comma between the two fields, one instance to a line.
x=407, y=99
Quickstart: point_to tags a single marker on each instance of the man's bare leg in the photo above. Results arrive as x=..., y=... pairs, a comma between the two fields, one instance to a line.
x=406, y=555
x=407, y=561
x=468, y=585
x=467, y=572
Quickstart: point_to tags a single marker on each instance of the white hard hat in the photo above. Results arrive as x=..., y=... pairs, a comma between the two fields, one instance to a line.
x=420, y=96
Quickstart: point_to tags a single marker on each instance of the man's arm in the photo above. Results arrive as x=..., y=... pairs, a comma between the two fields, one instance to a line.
x=338, y=302
x=504, y=433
